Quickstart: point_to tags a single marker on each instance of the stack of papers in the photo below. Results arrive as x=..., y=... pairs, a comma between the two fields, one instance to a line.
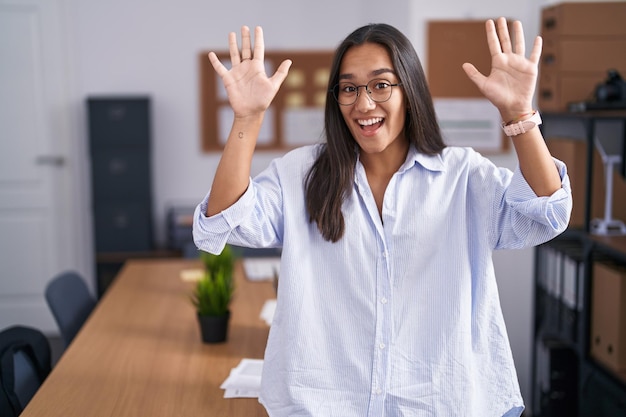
x=260, y=269
x=244, y=380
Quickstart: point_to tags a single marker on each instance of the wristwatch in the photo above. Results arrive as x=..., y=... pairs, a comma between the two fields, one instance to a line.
x=518, y=127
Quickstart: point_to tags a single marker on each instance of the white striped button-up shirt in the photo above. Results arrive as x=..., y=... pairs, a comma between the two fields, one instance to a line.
x=401, y=317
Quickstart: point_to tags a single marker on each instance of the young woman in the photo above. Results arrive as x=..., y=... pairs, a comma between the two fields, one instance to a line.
x=387, y=303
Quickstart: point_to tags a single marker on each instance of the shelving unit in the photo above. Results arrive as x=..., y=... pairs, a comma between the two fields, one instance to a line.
x=569, y=379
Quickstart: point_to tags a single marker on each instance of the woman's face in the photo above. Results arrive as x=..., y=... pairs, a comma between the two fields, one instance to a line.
x=376, y=126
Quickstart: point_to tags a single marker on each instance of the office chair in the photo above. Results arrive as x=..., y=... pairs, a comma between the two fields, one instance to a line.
x=70, y=302
x=25, y=362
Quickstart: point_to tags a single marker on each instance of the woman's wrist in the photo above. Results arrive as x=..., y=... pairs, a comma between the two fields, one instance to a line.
x=250, y=118
x=510, y=116
x=519, y=118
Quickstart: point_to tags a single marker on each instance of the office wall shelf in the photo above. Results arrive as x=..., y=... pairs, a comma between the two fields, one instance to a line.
x=571, y=373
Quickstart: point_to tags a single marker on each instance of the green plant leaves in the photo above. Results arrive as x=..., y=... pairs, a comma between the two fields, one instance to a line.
x=213, y=293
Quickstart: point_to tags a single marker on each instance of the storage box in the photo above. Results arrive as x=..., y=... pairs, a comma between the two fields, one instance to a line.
x=580, y=19
x=557, y=90
x=584, y=54
x=572, y=68
x=115, y=122
x=608, y=316
x=581, y=43
x=123, y=226
x=121, y=174
x=573, y=154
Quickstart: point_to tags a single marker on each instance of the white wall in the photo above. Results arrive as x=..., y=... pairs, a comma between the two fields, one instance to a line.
x=151, y=47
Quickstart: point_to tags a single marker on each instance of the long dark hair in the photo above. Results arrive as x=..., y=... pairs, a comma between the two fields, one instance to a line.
x=330, y=179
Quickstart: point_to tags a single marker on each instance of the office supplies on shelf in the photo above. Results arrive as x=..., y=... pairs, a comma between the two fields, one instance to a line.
x=608, y=225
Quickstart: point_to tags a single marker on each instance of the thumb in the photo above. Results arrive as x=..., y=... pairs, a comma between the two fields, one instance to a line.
x=473, y=74
x=281, y=73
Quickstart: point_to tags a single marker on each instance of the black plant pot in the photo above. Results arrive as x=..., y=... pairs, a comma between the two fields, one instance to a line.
x=214, y=329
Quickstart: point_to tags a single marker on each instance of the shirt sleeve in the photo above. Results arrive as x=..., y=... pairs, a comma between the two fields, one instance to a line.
x=211, y=234
x=535, y=220
x=256, y=220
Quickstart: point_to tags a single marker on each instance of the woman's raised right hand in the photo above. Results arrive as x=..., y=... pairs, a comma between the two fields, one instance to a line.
x=250, y=91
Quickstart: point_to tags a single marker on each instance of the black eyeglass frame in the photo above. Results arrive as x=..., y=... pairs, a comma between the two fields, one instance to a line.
x=365, y=86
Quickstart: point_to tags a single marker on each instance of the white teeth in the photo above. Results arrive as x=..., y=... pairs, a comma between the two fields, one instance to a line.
x=369, y=122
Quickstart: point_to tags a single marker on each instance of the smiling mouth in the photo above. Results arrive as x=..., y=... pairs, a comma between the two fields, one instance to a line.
x=371, y=124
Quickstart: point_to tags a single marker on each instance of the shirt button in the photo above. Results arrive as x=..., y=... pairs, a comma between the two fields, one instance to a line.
x=379, y=391
x=381, y=346
x=383, y=300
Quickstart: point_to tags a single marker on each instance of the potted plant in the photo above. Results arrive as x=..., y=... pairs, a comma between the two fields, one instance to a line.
x=213, y=293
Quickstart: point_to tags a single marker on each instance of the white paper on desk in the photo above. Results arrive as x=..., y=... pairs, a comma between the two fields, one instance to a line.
x=240, y=393
x=260, y=269
x=244, y=380
x=192, y=275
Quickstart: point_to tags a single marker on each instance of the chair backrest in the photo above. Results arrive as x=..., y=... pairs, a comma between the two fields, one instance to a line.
x=70, y=302
x=25, y=362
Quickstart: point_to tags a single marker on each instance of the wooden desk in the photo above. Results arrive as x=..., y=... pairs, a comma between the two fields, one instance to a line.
x=140, y=353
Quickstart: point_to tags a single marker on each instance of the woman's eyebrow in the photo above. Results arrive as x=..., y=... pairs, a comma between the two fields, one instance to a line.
x=376, y=72
x=383, y=71
x=346, y=76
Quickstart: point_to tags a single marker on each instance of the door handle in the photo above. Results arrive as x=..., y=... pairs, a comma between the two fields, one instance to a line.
x=51, y=160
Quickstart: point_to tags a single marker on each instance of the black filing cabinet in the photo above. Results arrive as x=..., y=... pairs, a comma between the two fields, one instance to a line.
x=119, y=143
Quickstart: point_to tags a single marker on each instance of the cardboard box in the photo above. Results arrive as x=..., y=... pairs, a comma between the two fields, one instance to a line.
x=556, y=90
x=581, y=19
x=581, y=43
x=573, y=153
x=584, y=54
x=608, y=316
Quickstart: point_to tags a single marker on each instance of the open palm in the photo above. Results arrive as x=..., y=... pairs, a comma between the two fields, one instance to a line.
x=250, y=91
x=510, y=85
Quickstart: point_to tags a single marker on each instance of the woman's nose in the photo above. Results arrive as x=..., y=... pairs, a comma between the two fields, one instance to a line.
x=364, y=102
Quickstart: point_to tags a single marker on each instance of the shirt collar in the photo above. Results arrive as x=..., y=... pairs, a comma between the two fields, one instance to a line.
x=430, y=162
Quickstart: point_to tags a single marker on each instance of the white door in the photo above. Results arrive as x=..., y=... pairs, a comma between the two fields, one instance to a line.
x=37, y=195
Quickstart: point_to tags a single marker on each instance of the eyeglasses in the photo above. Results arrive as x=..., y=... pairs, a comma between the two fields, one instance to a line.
x=378, y=89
